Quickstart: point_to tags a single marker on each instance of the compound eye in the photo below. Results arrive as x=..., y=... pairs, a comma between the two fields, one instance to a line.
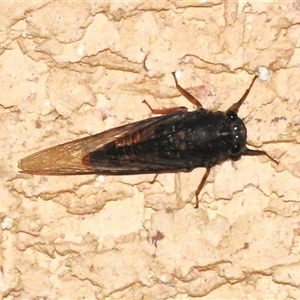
x=232, y=115
x=236, y=150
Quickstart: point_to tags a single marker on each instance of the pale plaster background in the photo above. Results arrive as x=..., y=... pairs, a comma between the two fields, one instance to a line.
x=71, y=69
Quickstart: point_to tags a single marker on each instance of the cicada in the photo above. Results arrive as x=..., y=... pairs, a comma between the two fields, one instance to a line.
x=176, y=141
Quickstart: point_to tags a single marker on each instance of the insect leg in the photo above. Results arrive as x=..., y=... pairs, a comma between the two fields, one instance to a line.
x=253, y=152
x=235, y=107
x=203, y=180
x=154, y=179
x=186, y=94
x=164, y=111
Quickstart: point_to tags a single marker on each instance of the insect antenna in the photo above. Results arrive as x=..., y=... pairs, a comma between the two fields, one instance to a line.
x=236, y=106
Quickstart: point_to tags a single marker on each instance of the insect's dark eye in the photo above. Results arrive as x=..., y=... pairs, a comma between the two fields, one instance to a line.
x=232, y=115
x=236, y=148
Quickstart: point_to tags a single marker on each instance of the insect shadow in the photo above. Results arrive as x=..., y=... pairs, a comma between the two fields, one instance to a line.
x=176, y=141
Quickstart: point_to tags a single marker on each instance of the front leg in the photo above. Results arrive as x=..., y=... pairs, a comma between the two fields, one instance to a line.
x=186, y=94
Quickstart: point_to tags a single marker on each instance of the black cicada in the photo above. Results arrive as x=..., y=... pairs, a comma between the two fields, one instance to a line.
x=176, y=141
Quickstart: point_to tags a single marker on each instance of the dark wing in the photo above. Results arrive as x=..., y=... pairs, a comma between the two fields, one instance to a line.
x=149, y=164
x=173, y=143
x=67, y=158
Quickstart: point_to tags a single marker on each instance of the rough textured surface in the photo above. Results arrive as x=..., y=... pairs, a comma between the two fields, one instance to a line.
x=73, y=69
